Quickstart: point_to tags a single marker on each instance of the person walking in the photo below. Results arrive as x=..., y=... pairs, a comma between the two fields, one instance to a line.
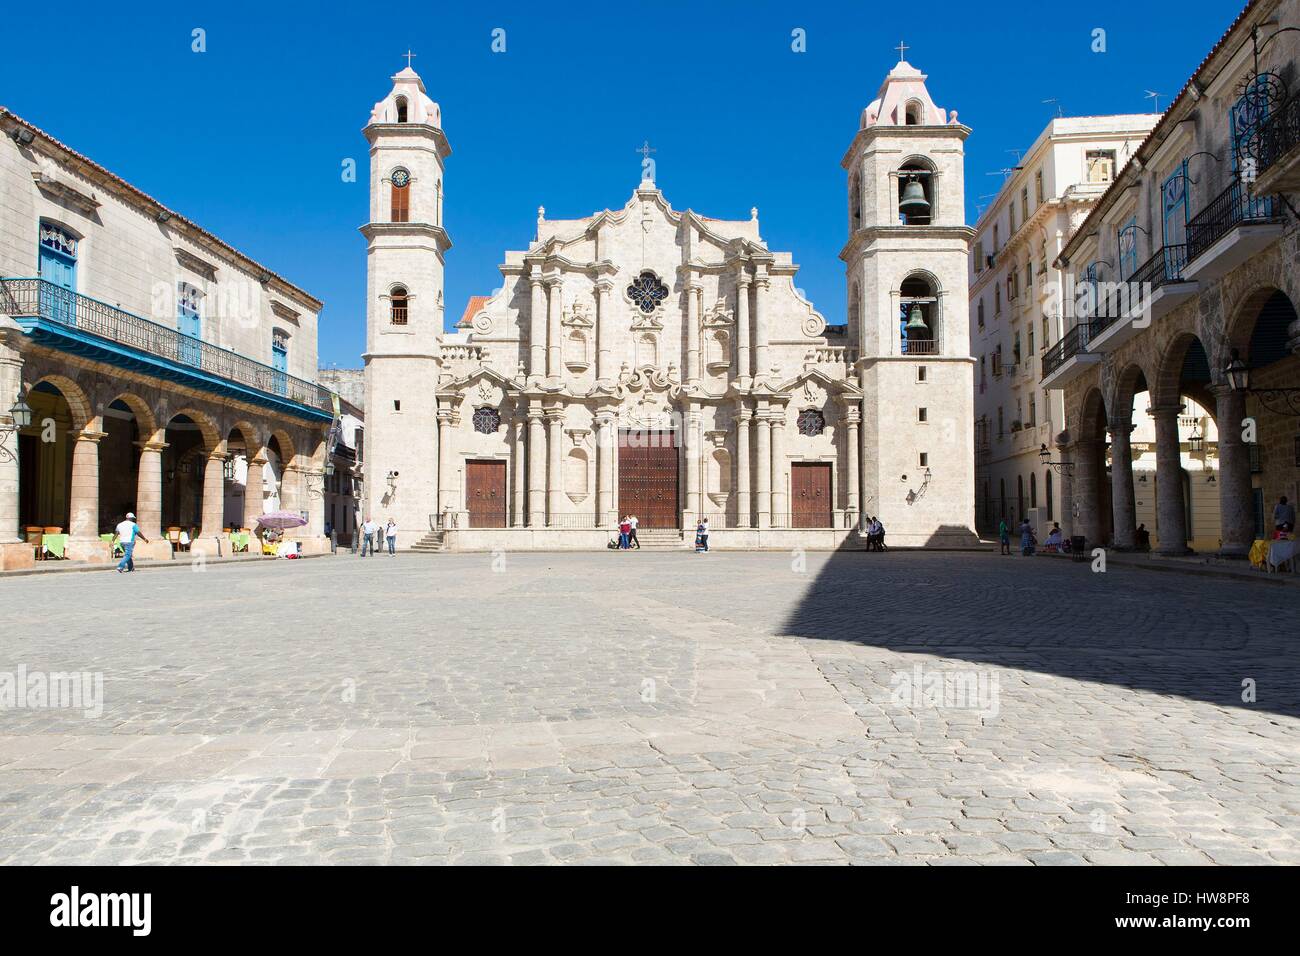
x=633, y=521
x=390, y=532
x=624, y=534
x=127, y=531
x=1004, y=536
x=1027, y=539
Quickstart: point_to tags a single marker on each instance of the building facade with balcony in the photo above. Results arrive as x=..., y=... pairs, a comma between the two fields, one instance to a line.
x=167, y=374
x=1015, y=313
x=1186, y=266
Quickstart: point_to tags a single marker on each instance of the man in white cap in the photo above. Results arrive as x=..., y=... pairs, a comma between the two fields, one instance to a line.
x=127, y=532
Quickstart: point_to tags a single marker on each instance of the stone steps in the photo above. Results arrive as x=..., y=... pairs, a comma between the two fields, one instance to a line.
x=432, y=543
x=659, y=539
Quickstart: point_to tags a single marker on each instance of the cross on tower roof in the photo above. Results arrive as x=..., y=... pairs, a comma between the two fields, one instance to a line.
x=901, y=48
x=645, y=149
x=409, y=55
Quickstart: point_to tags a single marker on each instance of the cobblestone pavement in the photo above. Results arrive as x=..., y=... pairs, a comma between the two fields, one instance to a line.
x=655, y=708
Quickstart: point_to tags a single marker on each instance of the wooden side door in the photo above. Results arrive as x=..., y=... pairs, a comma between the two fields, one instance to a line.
x=485, y=493
x=810, y=492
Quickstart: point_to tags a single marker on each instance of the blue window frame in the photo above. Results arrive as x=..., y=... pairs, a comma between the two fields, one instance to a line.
x=1128, y=248
x=1250, y=109
x=1173, y=207
x=280, y=361
x=58, y=266
x=189, y=321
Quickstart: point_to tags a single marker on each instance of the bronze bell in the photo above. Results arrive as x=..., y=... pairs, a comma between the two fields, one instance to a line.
x=914, y=202
x=914, y=320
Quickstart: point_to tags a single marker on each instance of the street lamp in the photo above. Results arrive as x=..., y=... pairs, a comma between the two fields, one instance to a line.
x=1060, y=467
x=1237, y=373
x=20, y=416
x=1281, y=401
x=329, y=468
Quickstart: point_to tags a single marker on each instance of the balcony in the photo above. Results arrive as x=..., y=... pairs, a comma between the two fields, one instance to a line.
x=61, y=319
x=1233, y=227
x=1153, y=290
x=1276, y=149
x=1068, y=358
x=920, y=347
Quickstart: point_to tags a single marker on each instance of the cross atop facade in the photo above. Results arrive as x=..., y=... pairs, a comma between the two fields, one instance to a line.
x=409, y=56
x=901, y=48
x=645, y=150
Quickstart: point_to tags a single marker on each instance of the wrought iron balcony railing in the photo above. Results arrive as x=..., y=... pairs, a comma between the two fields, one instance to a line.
x=1233, y=207
x=39, y=298
x=1276, y=136
x=1164, y=267
x=1072, y=343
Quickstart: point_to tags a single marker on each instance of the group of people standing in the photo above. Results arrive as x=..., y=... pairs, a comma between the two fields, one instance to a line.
x=372, y=536
x=627, y=533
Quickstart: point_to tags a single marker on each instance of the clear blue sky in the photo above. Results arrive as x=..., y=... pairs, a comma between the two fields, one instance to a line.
x=248, y=138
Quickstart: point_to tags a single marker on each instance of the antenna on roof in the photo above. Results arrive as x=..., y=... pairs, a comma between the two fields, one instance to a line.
x=1017, y=152
x=1059, y=112
x=1155, y=100
x=1004, y=172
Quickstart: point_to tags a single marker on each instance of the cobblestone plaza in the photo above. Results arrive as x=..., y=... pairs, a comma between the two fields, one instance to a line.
x=651, y=708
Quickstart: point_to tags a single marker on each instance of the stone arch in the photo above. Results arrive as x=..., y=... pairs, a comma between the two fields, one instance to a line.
x=1131, y=380
x=1092, y=416
x=1184, y=368
x=79, y=405
x=207, y=426
x=288, y=448
x=1244, y=330
x=146, y=420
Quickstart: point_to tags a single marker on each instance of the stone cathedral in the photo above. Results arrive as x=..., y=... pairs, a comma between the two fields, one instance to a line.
x=657, y=362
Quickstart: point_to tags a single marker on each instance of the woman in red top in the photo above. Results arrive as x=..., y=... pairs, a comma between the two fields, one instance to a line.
x=624, y=530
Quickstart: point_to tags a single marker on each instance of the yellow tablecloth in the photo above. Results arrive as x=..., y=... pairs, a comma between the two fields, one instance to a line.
x=1258, y=552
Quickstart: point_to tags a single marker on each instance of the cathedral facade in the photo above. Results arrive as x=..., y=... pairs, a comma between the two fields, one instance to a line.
x=657, y=362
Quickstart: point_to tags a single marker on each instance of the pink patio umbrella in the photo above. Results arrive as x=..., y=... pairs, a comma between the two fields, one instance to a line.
x=281, y=520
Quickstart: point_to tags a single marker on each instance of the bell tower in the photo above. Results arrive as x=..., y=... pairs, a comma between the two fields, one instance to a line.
x=906, y=271
x=406, y=252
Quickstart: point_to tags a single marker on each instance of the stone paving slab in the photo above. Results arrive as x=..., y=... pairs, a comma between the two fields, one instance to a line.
x=669, y=709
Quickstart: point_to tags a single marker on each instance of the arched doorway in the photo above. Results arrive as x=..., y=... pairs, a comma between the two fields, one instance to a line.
x=1186, y=450
x=184, y=463
x=45, y=457
x=1092, y=480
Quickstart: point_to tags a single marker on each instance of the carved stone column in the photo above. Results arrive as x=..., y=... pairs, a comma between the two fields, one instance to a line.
x=780, y=509
x=1123, y=508
x=214, y=493
x=11, y=377
x=762, y=365
x=536, y=467
x=1171, y=508
x=537, y=329
x=606, y=442
x=1236, y=497
x=694, y=292
x=518, y=468
x=446, y=461
x=1086, y=493
x=83, y=505
x=851, y=424
x=148, y=486
x=605, y=370
x=1065, y=454
x=555, y=465
x=743, y=507
x=691, y=450
x=744, y=368
x=253, y=501
x=553, y=344
x=763, y=464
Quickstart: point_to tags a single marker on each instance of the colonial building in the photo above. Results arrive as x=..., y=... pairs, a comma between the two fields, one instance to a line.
x=653, y=361
x=1015, y=311
x=1184, y=284
x=163, y=371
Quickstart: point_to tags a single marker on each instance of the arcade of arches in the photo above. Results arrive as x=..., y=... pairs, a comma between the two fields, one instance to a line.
x=1222, y=457
x=100, y=446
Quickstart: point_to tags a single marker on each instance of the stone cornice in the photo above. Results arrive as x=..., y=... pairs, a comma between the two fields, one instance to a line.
x=902, y=132
x=411, y=130
x=372, y=230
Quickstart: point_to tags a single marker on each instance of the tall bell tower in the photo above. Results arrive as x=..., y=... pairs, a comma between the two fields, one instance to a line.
x=906, y=269
x=407, y=247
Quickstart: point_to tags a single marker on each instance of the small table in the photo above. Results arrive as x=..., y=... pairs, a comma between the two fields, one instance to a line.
x=117, y=545
x=54, y=544
x=285, y=548
x=1280, y=552
x=238, y=541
